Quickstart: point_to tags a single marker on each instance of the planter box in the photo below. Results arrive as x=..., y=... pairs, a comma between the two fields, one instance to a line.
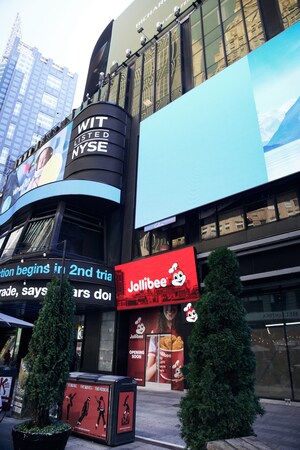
x=34, y=441
x=249, y=443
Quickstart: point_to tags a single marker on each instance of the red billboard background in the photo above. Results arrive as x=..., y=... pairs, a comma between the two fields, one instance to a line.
x=125, y=412
x=158, y=280
x=85, y=408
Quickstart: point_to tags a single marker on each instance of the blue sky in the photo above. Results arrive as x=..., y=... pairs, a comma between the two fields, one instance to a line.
x=64, y=30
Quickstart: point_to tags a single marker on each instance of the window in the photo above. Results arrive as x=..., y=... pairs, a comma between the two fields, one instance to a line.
x=160, y=241
x=288, y=204
x=54, y=82
x=148, y=83
x=234, y=30
x=44, y=121
x=162, y=73
x=135, y=106
x=197, y=49
x=49, y=100
x=260, y=212
x=2, y=239
x=37, y=236
x=123, y=85
x=83, y=238
x=10, y=246
x=231, y=221
x=175, y=76
x=290, y=12
x=253, y=23
x=35, y=138
x=177, y=236
x=11, y=131
x=208, y=223
x=17, y=109
x=214, y=48
x=4, y=155
x=79, y=335
x=142, y=243
x=107, y=334
x=114, y=87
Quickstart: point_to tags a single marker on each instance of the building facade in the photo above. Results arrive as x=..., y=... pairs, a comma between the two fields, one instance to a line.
x=187, y=142
x=35, y=95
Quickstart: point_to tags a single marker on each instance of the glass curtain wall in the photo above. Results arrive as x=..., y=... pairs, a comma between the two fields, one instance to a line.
x=275, y=322
x=290, y=12
x=37, y=236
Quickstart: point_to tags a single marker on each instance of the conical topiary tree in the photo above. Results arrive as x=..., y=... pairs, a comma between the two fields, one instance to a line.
x=220, y=402
x=50, y=350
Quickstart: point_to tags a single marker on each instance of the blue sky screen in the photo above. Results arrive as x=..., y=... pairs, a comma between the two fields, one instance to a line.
x=237, y=130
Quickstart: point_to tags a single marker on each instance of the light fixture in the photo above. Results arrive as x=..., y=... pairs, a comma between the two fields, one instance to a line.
x=143, y=40
x=128, y=53
x=176, y=11
x=140, y=30
x=22, y=260
x=159, y=26
x=101, y=80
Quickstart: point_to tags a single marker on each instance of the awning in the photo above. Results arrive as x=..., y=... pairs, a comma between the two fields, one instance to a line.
x=9, y=321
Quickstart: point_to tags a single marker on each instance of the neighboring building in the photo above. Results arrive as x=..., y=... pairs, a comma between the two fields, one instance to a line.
x=189, y=144
x=35, y=95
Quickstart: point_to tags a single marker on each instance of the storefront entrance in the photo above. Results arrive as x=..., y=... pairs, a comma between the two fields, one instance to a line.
x=275, y=322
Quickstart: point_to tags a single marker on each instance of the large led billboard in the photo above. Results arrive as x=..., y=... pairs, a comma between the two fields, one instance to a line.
x=141, y=15
x=43, y=167
x=237, y=130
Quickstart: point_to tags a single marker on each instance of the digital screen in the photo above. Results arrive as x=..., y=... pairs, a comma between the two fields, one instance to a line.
x=43, y=167
x=140, y=14
x=160, y=280
x=235, y=131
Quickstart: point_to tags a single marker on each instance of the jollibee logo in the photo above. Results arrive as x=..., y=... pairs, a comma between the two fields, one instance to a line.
x=140, y=327
x=177, y=369
x=178, y=277
x=190, y=313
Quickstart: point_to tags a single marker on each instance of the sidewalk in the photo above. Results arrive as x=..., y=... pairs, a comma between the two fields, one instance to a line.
x=157, y=425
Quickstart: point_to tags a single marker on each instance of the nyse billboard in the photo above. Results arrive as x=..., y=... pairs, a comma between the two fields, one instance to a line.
x=97, y=146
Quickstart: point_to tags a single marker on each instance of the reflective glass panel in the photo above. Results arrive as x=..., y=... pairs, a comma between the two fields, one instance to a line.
x=290, y=12
x=148, y=83
x=288, y=204
x=11, y=243
x=231, y=221
x=162, y=72
x=37, y=236
x=260, y=212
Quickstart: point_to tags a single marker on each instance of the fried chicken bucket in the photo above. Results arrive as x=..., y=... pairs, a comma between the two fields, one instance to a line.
x=171, y=357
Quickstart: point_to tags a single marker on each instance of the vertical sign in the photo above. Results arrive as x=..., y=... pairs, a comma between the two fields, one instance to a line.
x=125, y=412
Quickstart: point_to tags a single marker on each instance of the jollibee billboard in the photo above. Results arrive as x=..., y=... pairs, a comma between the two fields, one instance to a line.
x=159, y=280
